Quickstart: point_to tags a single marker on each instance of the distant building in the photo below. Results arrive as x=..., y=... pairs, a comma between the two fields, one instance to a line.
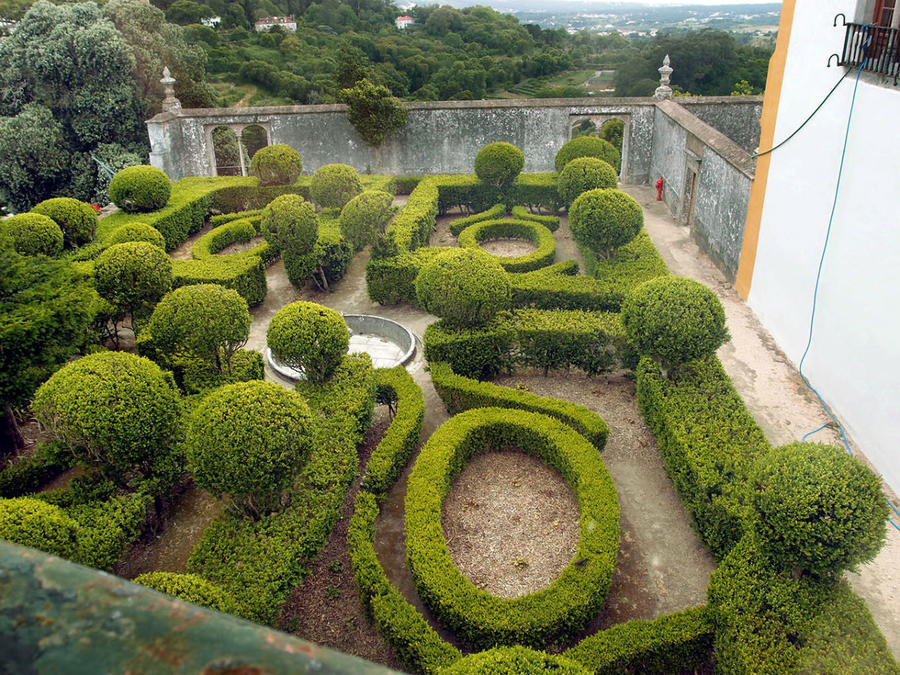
x=288, y=23
x=404, y=21
x=211, y=21
x=7, y=26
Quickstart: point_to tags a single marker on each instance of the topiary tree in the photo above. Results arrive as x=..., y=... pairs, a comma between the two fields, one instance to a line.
x=674, y=320
x=246, y=441
x=31, y=522
x=463, y=286
x=140, y=188
x=817, y=508
x=205, y=320
x=373, y=111
x=365, y=217
x=276, y=165
x=308, y=337
x=498, y=164
x=117, y=411
x=289, y=223
x=76, y=219
x=602, y=220
x=137, y=232
x=613, y=131
x=333, y=185
x=32, y=234
x=588, y=146
x=583, y=174
x=191, y=588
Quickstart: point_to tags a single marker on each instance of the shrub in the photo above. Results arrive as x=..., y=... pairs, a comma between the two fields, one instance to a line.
x=237, y=231
x=31, y=522
x=115, y=410
x=140, y=188
x=603, y=220
x=308, y=337
x=537, y=191
x=412, y=227
x=132, y=276
x=674, y=319
x=587, y=146
x=137, y=232
x=333, y=185
x=498, y=164
x=290, y=225
x=77, y=220
x=460, y=224
x=464, y=286
x=365, y=217
x=372, y=110
x=190, y=588
x=474, y=235
x=247, y=441
x=513, y=661
x=276, y=165
x=613, y=131
x=243, y=272
x=199, y=376
x=817, y=508
x=206, y=320
x=482, y=352
x=108, y=527
x=32, y=234
x=27, y=473
x=392, y=280
x=550, y=222
x=583, y=174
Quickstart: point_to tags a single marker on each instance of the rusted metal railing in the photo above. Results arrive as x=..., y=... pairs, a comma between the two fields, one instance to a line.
x=875, y=48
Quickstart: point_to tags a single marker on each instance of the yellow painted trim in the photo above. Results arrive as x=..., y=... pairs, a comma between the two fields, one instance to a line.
x=774, y=82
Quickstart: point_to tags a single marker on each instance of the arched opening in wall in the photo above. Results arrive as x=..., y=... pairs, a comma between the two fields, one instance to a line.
x=613, y=130
x=615, y=127
x=227, y=151
x=585, y=127
x=254, y=138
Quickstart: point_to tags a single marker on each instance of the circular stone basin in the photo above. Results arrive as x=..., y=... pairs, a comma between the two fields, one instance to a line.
x=387, y=342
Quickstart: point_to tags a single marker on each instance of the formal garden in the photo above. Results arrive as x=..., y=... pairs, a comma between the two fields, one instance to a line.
x=461, y=514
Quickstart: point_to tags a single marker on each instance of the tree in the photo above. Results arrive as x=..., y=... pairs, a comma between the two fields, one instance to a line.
x=308, y=337
x=372, y=111
x=34, y=158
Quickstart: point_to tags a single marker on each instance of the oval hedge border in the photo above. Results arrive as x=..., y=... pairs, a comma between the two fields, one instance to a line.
x=483, y=620
x=238, y=231
x=474, y=235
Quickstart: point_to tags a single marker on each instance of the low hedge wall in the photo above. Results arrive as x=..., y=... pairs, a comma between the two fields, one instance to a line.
x=233, y=232
x=483, y=620
x=515, y=660
x=537, y=191
x=222, y=218
x=25, y=475
x=107, y=528
x=460, y=224
x=411, y=228
x=477, y=233
x=393, y=280
x=550, y=222
x=465, y=192
x=483, y=352
x=244, y=272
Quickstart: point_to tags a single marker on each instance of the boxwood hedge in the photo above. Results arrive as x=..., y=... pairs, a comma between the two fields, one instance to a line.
x=25, y=474
x=550, y=222
x=32, y=234
x=244, y=273
x=477, y=233
x=76, y=219
x=140, y=188
x=189, y=587
x=515, y=660
x=238, y=231
x=460, y=224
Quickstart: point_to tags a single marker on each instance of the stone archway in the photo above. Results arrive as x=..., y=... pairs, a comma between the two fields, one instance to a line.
x=231, y=145
x=580, y=125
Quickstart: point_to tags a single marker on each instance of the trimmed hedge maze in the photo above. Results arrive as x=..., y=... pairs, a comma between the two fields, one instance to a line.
x=478, y=233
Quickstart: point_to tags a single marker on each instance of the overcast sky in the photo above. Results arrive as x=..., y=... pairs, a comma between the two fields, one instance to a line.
x=701, y=2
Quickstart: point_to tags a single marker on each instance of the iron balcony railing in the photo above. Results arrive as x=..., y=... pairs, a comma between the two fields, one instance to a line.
x=875, y=48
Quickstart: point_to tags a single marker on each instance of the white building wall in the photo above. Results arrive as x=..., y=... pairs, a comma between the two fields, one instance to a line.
x=854, y=361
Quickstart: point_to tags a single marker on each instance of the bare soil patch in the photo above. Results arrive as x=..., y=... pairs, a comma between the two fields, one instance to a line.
x=508, y=248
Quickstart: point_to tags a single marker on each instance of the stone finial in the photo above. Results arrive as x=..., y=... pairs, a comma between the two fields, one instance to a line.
x=168, y=82
x=664, y=91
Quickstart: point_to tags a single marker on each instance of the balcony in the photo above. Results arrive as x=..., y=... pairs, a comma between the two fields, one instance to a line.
x=875, y=48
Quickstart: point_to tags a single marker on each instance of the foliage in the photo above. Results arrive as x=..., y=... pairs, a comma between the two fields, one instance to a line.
x=32, y=234
x=817, y=508
x=474, y=235
x=392, y=280
x=308, y=337
x=140, y=188
x=537, y=191
x=364, y=218
x=244, y=273
x=481, y=352
x=233, y=232
x=108, y=527
x=290, y=226
x=588, y=146
x=77, y=220
x=459, y=224
x=247, y=441
x=30, y=522
x=583, y=174
x=373, y=111
x=333, y=185
x=276, y=165
x=602, y=220
x=550, y=222
x=115, y=157
x=199, y=376
x=132, y=276
x=515, y=660
x=412, y=227
x=137, y=232
x=191, y=588
x=674, y=319
x=613, y=130
x=27, y=473
x=499, y=163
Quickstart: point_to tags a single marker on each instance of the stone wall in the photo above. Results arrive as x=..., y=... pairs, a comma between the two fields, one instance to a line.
x=735, y=116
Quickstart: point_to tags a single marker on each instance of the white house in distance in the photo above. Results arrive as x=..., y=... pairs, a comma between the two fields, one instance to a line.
x=404, y=22
x=288, y=23
x=211, y=21
x=854, y=356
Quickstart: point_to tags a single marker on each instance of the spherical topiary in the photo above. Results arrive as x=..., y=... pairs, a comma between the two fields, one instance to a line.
x=113, y=409
x=276, y=165
x=289, y=223
x=613, y=131
x=308, y=337
x=190, y=588
x=132, y=274
x=77, y=219
x=205, y=320
x=674, y=319
x=365, y=216
x=513, y=661
x=464, y=286
x=603, y=220
x=140, y=188
x=583, y=174
x=817, y=508
x=333, y=185
x=32, y=234
x=247, y=441
x=137, y=232
x=31, y=522
x=498, y=164
x=587, y=146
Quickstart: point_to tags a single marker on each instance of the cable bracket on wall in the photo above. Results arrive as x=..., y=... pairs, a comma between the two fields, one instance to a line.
x=834, y=56
x=843, y=19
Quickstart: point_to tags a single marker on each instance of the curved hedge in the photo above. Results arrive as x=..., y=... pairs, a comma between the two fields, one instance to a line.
x=32, y=234
x=554, y=613
x=140, y=188
x=493, y=213
x=244, y=273
x=276, y=165
x=32, y=522
x=550, y=222
x=474, y=235
x=76, y=219
x=191, y=588
x=513, y=661
x=234, y=232
x=137, y=232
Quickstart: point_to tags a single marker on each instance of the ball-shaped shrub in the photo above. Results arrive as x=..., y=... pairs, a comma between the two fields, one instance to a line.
x=498, y=164
x=205, y=320
x=289, y=223
x=77, y=219
x=31, y=522
x=132, y=274
x=333, y=185
x=817, y=508
x=113, y=409
x=365, y=216
x=674, y=319
x=583, y=174
x=190, y=588
x=613, y=131
x=464, y=286
x=587, y=146
x=602, y=220
x=137, y=232
x=247, y=441
x=310, y=338
x=140, y=188
x=32, y=234
x=276, y=165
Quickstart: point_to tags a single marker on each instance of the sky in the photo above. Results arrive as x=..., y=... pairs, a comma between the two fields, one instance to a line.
x=699, y=2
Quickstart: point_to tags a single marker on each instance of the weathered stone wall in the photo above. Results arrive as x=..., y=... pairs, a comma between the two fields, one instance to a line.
x=735, y=116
